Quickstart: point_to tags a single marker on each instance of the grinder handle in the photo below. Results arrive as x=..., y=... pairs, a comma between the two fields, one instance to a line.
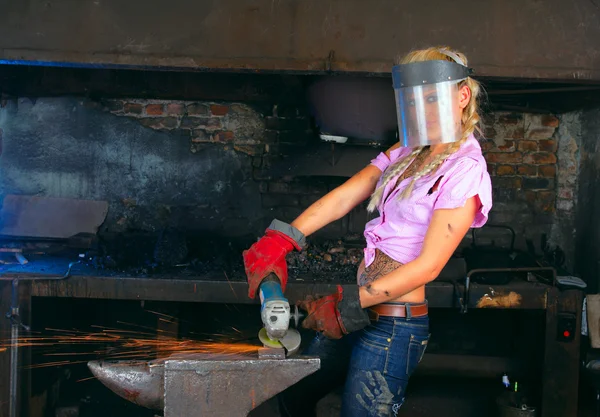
x=270, y=289
x=271, y=278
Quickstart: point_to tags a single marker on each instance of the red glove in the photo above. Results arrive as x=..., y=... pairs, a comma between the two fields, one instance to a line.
x=268, y=256
x=335, y=315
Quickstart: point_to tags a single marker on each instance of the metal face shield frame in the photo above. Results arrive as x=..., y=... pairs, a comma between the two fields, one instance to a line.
x=426, y=96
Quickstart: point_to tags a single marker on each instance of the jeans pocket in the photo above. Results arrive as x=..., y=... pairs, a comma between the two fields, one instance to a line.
x=416, y=349
x=375, y=337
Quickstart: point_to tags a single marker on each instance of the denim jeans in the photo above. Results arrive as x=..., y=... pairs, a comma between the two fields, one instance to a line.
x=374, y=365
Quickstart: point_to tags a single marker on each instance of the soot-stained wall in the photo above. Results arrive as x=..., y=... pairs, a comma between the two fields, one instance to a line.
x=204, y=166
x=67, y=147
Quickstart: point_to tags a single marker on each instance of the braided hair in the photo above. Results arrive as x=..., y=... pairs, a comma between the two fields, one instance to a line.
x=470, y=121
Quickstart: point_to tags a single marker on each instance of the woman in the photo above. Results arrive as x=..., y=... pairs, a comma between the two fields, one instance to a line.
x=428, y=189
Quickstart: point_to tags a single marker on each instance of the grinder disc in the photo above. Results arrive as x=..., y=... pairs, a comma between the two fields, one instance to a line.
x=266, y=340
x=290, y=342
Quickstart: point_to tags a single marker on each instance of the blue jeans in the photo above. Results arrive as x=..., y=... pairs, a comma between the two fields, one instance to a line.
x=374, y=365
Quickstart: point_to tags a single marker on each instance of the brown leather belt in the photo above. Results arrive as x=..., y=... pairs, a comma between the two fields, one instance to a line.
x=398, y=310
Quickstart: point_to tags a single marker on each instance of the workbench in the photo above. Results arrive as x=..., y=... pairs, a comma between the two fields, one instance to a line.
x=561, y=359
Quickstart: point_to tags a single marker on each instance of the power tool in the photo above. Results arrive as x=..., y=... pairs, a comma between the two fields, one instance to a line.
x=275, y=313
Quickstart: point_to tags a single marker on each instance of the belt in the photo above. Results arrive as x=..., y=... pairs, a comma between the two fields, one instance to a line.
x=398, y=310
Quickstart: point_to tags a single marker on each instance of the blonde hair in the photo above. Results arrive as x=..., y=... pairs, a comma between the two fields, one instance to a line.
x=470, y=120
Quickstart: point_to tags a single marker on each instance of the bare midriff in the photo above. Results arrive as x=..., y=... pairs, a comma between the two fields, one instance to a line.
x=381, y=266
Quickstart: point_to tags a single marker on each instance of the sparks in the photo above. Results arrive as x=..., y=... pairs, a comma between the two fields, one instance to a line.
x=127, y=344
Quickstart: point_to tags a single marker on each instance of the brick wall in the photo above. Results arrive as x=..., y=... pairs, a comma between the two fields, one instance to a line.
x=521, y=149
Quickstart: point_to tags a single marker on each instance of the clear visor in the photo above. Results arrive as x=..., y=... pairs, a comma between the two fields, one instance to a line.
x=428, y=114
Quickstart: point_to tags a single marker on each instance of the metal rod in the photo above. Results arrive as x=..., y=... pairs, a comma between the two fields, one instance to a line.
x=14, y=350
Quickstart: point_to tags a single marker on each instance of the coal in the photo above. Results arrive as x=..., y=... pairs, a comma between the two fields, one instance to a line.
x=179, y=256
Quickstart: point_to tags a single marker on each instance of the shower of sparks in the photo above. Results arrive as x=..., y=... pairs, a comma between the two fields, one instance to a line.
x=134, y=342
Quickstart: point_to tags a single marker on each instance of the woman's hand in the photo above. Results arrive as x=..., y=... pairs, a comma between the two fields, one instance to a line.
x=446, y=230
x=335, y=315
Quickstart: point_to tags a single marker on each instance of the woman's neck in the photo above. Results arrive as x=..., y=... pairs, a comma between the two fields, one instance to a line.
x=438, y=149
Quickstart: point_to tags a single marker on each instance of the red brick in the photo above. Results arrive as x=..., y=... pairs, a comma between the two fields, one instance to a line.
x=491, y=168
x=547, y=145
x=251, y=150
x=508, y=146
x=546, y=201
x=505, y=170
x=219, y=109
x=542, y=201
x=154, y=123
x=190, y=122
x=527, y=170
x=159, y=122
x=518, y=133
x=548, y=171
x=538, y=183
x=133, y=108
x=511, y=119
x=540, y=133
x=226, y=136
x=490, y=133
x=197, y=109
x=200, y=136
x=528, y=146
x=154, y=109
x=487, y=146
x=550, y=120
x=530, y=196
x=211, y=123
x=507, y=158
x=175, y=109
x=506, y=182
x=540, y=158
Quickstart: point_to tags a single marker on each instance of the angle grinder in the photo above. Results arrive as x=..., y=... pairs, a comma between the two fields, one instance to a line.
x=275, y=313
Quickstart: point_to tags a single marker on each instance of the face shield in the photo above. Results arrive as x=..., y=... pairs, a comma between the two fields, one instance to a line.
x=427, y=102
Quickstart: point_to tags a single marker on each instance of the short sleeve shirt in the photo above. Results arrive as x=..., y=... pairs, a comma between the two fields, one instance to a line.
x=400, y=229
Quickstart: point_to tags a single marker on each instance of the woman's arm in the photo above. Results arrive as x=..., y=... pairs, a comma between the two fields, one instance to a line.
x=446, y=230
x=338, y=202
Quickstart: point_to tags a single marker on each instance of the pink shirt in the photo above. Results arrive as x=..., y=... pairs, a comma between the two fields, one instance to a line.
x=400, y=229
